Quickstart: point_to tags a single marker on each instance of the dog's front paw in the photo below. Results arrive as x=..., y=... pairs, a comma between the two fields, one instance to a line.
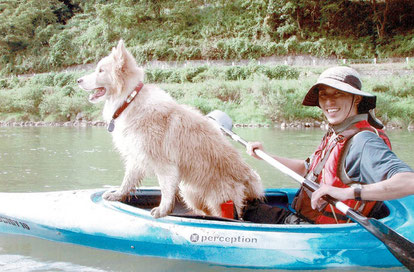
x=159, y=212
x=114, y=196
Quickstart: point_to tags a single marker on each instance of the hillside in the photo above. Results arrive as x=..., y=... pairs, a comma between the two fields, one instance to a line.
x=48, y=35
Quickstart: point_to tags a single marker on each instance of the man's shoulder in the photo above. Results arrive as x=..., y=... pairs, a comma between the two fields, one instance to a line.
x=366, y=142
x=361, y=138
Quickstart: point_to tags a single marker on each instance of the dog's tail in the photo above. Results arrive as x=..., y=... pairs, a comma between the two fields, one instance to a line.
x=252, y=189
x=240, y=172
x=254, y=186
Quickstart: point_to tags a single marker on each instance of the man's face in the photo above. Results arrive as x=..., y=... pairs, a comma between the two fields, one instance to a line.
x=337, y=105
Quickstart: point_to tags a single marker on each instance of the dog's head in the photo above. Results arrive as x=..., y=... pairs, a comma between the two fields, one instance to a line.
x=114, y=74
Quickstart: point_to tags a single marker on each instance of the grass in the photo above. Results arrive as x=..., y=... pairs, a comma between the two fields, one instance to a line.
x=251, y=94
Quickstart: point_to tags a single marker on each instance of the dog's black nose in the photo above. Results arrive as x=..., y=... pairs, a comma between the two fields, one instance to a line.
x=80, y=80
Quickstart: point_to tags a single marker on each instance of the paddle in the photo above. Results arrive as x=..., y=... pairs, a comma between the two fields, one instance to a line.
x=399, y=246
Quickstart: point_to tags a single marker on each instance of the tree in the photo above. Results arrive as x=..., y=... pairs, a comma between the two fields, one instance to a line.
x=380, y=16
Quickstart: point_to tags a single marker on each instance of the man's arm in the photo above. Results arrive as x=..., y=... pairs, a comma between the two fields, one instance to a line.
x=296, y=165
x=399, y=185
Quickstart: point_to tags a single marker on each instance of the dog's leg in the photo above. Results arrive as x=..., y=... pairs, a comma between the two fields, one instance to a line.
x=215, y=210
x=132, y=178
x=193, y=199
x=169, y=188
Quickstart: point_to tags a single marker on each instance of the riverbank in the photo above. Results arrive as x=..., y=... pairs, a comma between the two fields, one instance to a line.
x=81, y=123
x=253, y=95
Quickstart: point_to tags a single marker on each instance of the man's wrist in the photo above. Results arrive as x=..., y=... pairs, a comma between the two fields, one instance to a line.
x=357, y=192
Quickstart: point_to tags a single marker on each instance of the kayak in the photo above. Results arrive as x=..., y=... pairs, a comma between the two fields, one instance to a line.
x=84, y=218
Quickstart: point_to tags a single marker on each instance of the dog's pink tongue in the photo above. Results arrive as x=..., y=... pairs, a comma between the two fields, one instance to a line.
x=99, y=93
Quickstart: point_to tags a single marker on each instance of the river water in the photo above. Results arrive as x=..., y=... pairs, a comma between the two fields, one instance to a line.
x=34, y=159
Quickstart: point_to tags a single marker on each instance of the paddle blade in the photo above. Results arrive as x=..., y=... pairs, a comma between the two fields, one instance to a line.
x=398, y=245
x=221, y=118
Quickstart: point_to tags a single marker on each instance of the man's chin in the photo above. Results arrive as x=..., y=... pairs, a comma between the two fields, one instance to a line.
x=335, y=121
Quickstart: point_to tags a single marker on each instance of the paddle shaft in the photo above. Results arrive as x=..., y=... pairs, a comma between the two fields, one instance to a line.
x=312, y=186
x=399, y=246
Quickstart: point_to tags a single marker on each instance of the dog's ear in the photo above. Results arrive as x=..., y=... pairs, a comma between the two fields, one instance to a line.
x=120, y=56
x=125, y=65
x=121, y=44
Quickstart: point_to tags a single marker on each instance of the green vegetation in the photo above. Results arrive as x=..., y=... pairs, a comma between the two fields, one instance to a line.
x=249, y=94
x=47, y=35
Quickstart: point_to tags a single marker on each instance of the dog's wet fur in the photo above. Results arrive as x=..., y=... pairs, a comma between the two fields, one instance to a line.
x=156, y=135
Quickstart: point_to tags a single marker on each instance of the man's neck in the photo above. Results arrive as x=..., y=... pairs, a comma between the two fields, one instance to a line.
x=348, y=122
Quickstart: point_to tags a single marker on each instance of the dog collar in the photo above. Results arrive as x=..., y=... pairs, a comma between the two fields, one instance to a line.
x=124, y=105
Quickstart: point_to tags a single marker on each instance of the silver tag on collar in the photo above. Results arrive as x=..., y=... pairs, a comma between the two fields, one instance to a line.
x=111, y=125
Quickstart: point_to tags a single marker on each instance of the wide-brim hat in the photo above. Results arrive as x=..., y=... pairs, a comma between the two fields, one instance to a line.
x=344, y=79
x=347, y=80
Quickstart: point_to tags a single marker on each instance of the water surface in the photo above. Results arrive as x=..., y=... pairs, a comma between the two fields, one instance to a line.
x=51, y=159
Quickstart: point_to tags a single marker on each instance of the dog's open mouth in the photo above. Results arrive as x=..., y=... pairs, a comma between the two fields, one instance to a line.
x=98, y=93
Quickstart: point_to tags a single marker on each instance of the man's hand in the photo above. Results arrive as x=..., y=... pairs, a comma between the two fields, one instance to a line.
x=335, y=192
x=251, y=146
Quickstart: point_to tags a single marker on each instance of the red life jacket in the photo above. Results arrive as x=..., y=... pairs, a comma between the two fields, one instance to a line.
x=325, y=166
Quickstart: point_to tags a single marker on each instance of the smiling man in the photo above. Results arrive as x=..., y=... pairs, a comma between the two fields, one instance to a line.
x=337, y=105
x=353, y=153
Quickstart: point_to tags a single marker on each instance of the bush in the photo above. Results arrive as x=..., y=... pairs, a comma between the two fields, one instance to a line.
x=261, y=97
x=27, y=100
x=227, y=73
x=42, y=35
x=53, y=96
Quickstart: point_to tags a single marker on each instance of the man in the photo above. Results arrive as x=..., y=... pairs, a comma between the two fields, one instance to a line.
x=354, y=152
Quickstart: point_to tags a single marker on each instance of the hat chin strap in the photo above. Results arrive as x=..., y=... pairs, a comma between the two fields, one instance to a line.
x=374, y=121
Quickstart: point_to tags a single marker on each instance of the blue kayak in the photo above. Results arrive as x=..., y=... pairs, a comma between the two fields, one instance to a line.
x=82, y=217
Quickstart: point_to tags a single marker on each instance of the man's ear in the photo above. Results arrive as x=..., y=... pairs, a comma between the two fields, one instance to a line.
x=357, y=99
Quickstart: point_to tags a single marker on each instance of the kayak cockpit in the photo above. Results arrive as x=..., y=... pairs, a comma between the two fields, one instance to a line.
x=147, y=199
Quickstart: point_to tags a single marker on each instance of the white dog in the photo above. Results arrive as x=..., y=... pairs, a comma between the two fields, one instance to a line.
x=154, y=134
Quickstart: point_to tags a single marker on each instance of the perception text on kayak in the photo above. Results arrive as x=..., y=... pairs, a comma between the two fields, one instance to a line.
x=15, y=223
x=195, y=238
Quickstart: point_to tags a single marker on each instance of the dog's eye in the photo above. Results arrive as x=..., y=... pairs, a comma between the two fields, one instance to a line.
x=101, y=70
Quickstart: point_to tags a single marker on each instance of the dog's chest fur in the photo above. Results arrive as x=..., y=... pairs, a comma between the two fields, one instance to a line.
x=128, y=135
